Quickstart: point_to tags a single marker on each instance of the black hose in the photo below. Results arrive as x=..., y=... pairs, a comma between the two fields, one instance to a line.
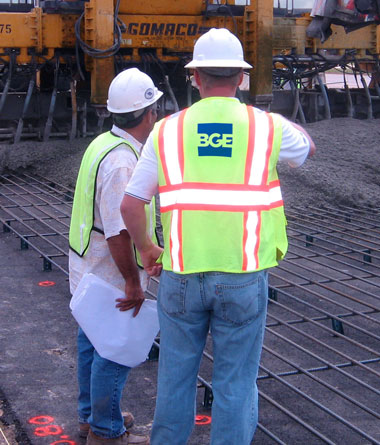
x=96, y=52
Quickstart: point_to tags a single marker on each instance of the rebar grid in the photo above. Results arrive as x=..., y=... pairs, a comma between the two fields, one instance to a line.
x=319, y=378
x=38, y=211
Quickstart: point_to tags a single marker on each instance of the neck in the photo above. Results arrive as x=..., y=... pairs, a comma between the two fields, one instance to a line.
x=218, y=92
x=138, y=133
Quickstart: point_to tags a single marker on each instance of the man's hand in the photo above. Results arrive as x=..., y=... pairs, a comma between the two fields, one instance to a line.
x=149, y=257
x=133, y=213
x=134, y=299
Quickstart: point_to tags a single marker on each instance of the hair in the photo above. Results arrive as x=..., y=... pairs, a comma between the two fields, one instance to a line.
x=212, y=76
x=132, y=119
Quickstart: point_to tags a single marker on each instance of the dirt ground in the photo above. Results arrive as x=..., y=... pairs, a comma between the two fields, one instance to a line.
x=345, y=169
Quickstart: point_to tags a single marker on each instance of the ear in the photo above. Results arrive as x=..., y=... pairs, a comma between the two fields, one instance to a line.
x=197, y=78
x=241, y=78
x=151, y=118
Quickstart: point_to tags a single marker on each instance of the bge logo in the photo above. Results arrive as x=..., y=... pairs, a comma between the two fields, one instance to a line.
x=215, y=140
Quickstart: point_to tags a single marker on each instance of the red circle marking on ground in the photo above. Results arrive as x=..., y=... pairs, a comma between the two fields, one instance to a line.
x=48, y=430
x=46, y=283
x=202, y=420
x=41, y=420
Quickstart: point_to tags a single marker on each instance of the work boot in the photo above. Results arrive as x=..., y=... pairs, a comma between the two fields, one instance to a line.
x=128, y=423
x=125, y=439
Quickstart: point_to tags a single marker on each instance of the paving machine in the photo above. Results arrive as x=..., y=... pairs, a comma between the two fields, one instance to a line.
x=57, y=58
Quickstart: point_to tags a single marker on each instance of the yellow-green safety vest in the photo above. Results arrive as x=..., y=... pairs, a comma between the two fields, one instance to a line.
x=82, y=216
x=220, y=197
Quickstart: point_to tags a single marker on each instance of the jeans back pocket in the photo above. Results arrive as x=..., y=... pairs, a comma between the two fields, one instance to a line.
x=242, y=303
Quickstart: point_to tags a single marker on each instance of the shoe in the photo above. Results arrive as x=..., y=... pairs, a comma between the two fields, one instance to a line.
x=85, y=427
x=125, y=439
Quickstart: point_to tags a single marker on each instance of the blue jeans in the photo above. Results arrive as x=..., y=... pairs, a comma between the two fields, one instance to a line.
x=233, y=307
x=101, y=384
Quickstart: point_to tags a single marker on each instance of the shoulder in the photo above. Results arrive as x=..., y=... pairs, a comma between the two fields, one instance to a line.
x=121, y=156
x=170, y=117
x=258, y=112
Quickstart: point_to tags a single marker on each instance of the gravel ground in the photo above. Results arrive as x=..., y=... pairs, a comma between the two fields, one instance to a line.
x=345, y=169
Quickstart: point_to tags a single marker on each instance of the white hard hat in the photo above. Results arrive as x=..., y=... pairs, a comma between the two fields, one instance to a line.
x=131, y=90
x=218, y=48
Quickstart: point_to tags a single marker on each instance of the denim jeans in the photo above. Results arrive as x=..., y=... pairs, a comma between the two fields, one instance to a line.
x=101, y=384
x=233, y=307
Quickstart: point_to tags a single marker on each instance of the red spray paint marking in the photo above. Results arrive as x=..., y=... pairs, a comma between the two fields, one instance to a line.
x=41, y=420
x=46, y=283
x=50, y=430
x=202, y=420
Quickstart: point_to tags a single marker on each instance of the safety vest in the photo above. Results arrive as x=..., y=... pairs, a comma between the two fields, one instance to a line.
x=82, y=216
x=220, y=197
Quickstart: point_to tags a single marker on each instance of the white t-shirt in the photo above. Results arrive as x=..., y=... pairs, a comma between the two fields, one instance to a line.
x=144, y=182
x=114, y=172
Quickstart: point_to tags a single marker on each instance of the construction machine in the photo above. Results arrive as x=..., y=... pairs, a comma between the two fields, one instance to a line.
x=57, y=59
x=351, y=14
x=336, y=39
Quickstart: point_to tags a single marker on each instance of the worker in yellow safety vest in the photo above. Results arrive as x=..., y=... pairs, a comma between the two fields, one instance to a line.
x=100, y=244
x=214, y=166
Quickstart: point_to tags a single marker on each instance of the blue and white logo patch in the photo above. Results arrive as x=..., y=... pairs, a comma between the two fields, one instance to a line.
x=149, y=93
x=215, y=140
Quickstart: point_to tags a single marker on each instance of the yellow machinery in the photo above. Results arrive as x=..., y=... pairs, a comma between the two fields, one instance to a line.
x=57, y=58
x=60, y=56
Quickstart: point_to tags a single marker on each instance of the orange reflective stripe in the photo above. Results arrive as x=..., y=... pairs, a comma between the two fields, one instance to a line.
x=256, y=251
x=176, y=245
x=218, y=186
x=270, y=149
x=181, y=157
x=216, y=198
x=171, y=149
x=176, y=254
x=251, y=240
x=257, y=173
x=171, y=241
x=259, y=153
x=161, y=149
x=180, y=231
x=245, y=237
x=251, y=144
x=221, y=207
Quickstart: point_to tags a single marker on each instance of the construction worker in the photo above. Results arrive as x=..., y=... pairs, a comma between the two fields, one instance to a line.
x=100, y=244
x=214, y=165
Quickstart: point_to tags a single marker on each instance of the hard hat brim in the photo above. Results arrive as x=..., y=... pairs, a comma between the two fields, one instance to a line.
x=131, y=109
x=218, y=64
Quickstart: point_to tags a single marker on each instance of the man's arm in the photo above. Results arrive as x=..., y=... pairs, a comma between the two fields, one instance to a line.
x=114, y=173
x=306, y=134
x=296, y=143
x=122, y=253
x=133, y=212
